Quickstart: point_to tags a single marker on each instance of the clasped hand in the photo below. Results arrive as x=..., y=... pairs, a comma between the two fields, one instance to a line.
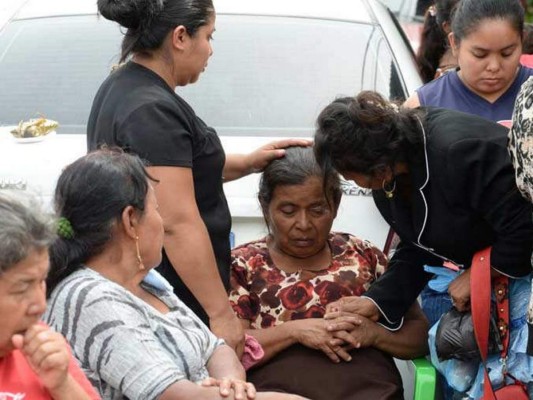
x=314, y=333
x=353, y=305
x=351, y=331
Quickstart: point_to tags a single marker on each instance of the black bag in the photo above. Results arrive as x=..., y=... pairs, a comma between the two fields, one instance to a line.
x=455, y=337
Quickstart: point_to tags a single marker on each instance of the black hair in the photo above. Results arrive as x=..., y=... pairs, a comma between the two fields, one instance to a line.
x=470, y=13
x=298, y=165
x=433, y=39
x=91, y=194
x=148, y=22
x=366, y=134
x=527, y=44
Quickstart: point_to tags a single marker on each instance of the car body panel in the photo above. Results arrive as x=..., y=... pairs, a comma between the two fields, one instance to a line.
x=261, y=84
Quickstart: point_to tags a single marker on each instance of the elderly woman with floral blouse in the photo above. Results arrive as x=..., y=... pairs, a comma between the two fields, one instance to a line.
x=282, y=283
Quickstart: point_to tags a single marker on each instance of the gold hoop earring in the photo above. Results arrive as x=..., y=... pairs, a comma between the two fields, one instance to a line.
x=389, y=192
x=139, y=258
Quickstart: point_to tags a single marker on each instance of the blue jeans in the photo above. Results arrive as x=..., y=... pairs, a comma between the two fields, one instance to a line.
x=434, y=304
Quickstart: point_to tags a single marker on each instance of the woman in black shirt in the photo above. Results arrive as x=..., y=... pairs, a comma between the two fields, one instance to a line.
x=137, y=109
x=444, y=182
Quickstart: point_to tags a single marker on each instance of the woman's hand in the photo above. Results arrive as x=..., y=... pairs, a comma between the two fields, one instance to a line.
x=357, y=331
x=46, y=352
x=313, y=333
x=229, y=328
x=260, y=158
x=241, y=389
x=459, y=291
x=352, y=305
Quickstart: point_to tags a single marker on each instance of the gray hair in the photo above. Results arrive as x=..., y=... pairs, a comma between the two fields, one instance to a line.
x=298, y=164
x=24, y=227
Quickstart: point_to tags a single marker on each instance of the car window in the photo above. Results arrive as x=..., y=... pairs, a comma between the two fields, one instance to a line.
x=271, y=76
x=53, y=67
x=268, y=76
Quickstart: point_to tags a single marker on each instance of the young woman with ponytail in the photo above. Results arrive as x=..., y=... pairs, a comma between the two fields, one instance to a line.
x=434, y=55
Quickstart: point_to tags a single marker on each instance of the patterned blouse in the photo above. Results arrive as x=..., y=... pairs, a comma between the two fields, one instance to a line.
x=521, y=139
x=521, y=149
x=268, y=296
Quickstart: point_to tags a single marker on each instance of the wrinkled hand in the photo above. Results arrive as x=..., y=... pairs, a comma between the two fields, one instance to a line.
x=240, y=388
x=352, y=305
x=357, y=331
x=459, y=291
x=229, y=328
x=260, y=158
x=313, y=333
x=47, y=354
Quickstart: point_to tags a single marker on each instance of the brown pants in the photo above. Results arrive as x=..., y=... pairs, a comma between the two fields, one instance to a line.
x=371, y=375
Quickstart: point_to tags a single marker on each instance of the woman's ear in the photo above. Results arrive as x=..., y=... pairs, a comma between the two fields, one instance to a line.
x=384, y=173
x=445, y=26
x=453, y=43
x=179, y=37
x=130, y=221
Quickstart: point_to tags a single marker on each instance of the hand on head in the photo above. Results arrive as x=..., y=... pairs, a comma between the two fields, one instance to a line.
x=47, y=353
x=260, y=158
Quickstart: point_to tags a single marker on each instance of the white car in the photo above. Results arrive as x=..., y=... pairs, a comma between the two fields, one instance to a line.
x=276, y=64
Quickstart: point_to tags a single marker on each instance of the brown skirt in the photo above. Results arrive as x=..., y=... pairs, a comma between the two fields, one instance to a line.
x=370, y=375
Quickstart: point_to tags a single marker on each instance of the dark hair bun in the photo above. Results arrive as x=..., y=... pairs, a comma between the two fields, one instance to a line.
x=131, y=14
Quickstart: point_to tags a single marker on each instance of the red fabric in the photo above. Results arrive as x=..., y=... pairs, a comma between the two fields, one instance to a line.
x=18, y=381
x=480, y=299
x=527, y=60
x=480, y=284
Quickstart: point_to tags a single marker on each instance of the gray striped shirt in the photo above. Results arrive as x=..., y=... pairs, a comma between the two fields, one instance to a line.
x=125, y=346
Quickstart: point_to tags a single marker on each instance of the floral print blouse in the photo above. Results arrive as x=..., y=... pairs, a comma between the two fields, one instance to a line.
x=268, y=296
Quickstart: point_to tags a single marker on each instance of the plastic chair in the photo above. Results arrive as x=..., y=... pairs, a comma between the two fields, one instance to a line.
x=419, y=378
x=425, y=379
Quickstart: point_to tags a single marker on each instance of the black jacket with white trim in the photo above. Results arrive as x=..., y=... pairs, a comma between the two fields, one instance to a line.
x=462, y=198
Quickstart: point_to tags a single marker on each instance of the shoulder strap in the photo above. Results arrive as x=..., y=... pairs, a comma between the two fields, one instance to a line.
x=480, y=286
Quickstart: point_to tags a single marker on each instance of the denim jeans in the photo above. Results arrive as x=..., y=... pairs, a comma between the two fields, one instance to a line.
x=434, y=304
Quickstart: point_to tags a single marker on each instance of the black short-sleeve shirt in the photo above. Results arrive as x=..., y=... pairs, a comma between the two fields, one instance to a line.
x=136, y=110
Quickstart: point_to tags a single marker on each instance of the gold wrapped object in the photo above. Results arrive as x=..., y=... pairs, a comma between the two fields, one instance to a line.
x=34, y=128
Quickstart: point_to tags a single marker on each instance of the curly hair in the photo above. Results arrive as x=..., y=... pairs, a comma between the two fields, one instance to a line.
x=366, y=134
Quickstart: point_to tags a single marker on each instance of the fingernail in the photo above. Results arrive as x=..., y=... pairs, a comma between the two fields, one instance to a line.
x=349, y=359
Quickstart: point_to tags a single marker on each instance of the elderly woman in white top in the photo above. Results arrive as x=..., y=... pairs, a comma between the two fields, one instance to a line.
x=132, y=336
